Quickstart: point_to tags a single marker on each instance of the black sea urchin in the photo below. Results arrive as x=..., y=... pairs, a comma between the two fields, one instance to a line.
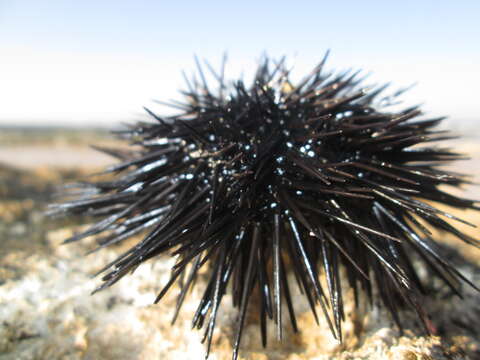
x=254, y=182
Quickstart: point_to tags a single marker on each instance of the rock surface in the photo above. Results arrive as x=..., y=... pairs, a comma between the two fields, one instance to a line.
x=47, y=312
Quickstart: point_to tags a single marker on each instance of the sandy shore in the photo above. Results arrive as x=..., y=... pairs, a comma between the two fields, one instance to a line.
x=30, y=157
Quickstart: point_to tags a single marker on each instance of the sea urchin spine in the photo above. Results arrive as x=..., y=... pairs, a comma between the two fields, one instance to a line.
x=256, y=182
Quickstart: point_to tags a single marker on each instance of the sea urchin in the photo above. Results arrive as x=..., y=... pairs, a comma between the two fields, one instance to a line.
x=256, y=182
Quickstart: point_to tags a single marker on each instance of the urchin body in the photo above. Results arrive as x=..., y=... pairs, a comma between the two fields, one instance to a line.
x=256, y=182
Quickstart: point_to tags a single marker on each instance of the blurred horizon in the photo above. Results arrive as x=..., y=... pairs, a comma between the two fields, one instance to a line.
x=84, y=64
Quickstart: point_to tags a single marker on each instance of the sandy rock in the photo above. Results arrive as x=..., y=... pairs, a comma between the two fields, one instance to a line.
x=47, y=312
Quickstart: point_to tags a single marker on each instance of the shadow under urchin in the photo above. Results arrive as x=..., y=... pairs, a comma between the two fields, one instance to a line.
x=257, y=181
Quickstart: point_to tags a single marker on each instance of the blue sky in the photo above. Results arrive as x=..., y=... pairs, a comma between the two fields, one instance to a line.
x=98, y=62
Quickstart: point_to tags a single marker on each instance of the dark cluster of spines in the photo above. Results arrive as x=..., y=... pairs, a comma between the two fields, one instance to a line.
x=261, y=181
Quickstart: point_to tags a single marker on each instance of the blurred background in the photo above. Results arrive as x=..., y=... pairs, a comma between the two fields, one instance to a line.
x=96, y=63
x=76, y=65
x=71, y=70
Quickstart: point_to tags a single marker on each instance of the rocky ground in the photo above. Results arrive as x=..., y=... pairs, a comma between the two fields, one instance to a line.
x=46, y=311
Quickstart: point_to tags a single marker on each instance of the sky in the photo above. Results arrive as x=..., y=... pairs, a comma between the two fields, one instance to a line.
x=84, y=63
